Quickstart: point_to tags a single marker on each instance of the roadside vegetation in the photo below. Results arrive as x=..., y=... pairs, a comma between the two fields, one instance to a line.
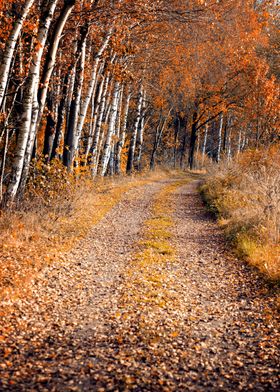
x=245, y=195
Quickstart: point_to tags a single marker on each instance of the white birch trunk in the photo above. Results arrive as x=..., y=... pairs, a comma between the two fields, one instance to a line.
x=102, y=136
x=220, y=137
x=140, y=134
x=10, y=48
x=132, y=145
x=122, y=135
x=73, y=147
x=50, y=63
x=95, y=110
x=96, y=140
x=204, y=144
x=111, y=129
x=86, y=102
x=33, y=86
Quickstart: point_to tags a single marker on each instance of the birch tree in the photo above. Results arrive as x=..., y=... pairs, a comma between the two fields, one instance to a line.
x=121, y=141
x=132, y=144
x=23, y=150
x=111, y=129
x=91, y=86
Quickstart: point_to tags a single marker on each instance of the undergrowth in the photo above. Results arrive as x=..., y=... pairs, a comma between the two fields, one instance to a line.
x=245, y=195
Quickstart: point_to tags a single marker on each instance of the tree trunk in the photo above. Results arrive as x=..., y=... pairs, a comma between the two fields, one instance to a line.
x=183, y=150
x=176, y=133
x=72, y=135
x=51, y=57
x=159, y=131
x=111, y=129
x=132, y=145
x=86, y=102
x=50, y=130
x=94, y=159
x=121, y=140
x=193, y=141
x=140, y=134
x=204, y=144
x=95, y=111
x=220, y=137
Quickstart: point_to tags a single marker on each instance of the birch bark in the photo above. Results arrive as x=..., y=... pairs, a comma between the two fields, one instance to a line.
x=86, y=102
x=111, y=129
x=96, y=140
x=220, y=137
x=204, y=144
x=132, y=145
x=122, y=136
x=140, y=134
x=51, y=58
x=72, y=136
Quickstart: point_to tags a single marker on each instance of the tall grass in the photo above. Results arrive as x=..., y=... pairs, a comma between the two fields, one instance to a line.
x=245, y=194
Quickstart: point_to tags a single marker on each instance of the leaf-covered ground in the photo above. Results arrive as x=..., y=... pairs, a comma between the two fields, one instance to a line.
x=150, y=301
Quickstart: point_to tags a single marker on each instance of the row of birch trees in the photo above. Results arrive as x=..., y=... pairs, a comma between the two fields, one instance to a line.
x=112, y=86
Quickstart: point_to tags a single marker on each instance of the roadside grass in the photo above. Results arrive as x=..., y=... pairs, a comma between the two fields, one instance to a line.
x=245, y=196
x=58, y=211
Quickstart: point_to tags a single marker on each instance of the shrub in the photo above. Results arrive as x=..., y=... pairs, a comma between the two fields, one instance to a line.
x=245, y=194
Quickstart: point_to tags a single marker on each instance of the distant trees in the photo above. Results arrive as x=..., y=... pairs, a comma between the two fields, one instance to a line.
x=104, y=85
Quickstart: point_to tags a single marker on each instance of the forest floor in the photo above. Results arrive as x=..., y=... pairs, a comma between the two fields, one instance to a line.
x=150, y=300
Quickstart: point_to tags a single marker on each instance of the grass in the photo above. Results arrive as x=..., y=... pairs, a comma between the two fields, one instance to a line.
x=149, y=281
x=245, y=196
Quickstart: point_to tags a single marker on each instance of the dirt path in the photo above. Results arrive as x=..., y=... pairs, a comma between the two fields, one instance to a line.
x=167, y=311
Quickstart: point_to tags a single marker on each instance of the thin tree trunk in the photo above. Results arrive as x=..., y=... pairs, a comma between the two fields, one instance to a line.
x=94, y=158
x=51, y=57
x=229, y=146
x=60, y=119
x=204, y=144
x=193, y=141
x=159, y=132
x=72, y=136
x=3, y=164
x=50, y=130
x=183, y=150
x=95, y=111
x=102, y=136
x=121, y=140
x=140, y=134
x=197, y=149
x=176, y=133
x=132, y=145
x=220, y=137
x=111, y=129
x=86, y=102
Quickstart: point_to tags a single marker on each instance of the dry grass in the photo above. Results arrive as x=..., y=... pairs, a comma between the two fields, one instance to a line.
x=59, y=210
x=149, y=283
x=245, y=194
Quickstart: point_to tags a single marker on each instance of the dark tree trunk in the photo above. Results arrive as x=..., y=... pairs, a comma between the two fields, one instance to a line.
x=193, y=141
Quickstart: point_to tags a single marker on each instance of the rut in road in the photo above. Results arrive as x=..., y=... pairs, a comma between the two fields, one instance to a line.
x=151, y=301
